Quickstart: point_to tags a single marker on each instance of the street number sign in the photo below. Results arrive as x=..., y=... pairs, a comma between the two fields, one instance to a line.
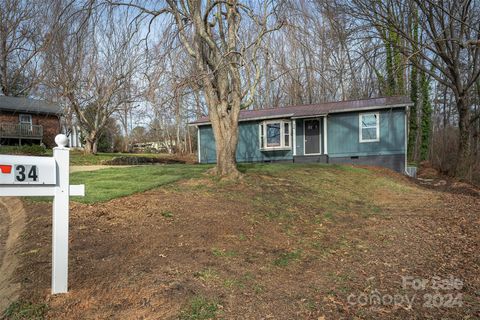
x=26, y=173
x=27, y=170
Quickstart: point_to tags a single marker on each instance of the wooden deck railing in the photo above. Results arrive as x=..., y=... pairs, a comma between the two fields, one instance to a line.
x=17, y=130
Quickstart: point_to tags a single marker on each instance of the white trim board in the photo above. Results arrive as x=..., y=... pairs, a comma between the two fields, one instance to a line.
x=294, y=136
x=198, y=146
x=325, y=149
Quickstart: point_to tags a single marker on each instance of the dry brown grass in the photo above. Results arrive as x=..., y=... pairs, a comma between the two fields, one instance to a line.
x=287, y=242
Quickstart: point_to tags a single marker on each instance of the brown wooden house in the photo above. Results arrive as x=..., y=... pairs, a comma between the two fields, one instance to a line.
x=28, y=121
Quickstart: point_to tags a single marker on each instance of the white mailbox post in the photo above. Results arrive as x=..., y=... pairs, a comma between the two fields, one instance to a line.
x=46, y=176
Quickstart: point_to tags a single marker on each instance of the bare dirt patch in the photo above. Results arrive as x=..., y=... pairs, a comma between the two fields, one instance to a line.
x=12, y=223
x=293, y=244
x=431, y=178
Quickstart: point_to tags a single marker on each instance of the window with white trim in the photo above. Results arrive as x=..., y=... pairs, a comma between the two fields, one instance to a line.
x=369, y=127
x=275, y=135
x=25, y=119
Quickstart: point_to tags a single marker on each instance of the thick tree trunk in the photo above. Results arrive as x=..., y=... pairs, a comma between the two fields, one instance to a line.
x=126, y=144
x=463, y=167
x=126, y=140
x=90, y=147
x=226, y=161
x=188, y=139
x=225, y=131
x=91, y=144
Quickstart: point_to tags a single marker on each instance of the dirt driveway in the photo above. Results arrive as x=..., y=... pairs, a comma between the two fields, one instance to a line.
x=305, y=244
x=12, y=224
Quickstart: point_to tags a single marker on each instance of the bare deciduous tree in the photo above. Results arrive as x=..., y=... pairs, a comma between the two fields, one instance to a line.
x=451, y=44
x=21, y=38
x=224, y=58
x=91, y=62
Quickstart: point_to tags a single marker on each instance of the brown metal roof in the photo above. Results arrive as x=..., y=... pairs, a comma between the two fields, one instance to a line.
x=319, y=109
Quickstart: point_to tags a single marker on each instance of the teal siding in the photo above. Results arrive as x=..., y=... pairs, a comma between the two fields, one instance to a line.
x=344, y=140
x=207, y=145
x=248, y=149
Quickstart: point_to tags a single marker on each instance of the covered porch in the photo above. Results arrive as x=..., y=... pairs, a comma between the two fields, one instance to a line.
x=18, y=133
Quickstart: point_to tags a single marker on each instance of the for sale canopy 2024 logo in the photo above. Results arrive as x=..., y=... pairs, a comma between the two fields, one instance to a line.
x=442, y=293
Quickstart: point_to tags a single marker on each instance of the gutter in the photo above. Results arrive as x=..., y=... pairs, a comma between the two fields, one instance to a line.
x=374, y=108
x=308, y=117
x=248, y=119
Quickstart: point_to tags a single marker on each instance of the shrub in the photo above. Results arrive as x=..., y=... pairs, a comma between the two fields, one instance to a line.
x=127, y=160
x=29, y=150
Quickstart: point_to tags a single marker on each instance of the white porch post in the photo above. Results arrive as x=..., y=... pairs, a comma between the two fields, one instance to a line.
x=198, y=145
x=294, y=136
x=325, y=146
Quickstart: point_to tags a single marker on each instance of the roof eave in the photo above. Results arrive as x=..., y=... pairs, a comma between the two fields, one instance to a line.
x=58, y=113
x=399, y=105
x=289, y=115
x=322, y=114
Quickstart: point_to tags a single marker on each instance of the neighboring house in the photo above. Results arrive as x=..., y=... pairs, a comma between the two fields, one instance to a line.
x=28, y=121
x=74, y=134
x=367, y=132
x=158, y=146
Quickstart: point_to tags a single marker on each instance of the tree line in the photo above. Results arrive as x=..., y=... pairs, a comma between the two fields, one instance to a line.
x=115, y=65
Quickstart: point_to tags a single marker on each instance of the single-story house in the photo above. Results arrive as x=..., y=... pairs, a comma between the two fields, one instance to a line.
x=366, y=132
x=28, y=121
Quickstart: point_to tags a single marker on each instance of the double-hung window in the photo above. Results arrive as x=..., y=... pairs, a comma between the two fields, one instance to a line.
x=369, y=127
x=275, y=135
x=25, y=121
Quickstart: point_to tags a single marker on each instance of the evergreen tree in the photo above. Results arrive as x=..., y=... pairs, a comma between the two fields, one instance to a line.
x=426, y=116
x=390, y=81
x=397, y=64
x=413, y=117
x=393, y=64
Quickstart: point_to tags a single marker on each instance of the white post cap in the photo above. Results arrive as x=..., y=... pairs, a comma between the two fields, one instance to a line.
x=61, y=140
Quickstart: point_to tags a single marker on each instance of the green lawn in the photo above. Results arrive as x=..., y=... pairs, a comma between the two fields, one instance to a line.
x=106, y=184
x=110, y=183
